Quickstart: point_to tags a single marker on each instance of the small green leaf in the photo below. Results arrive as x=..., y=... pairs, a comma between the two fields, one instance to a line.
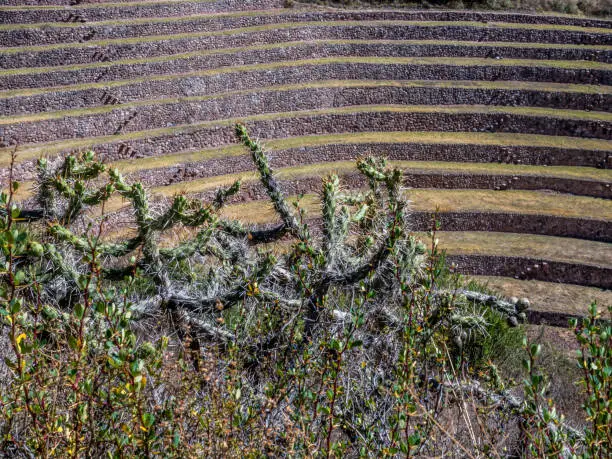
x=79, y=309
x=148, y=419
x=15, y=305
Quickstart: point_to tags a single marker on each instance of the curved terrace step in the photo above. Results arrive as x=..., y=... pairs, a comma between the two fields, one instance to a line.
x=152, y=46
x=161, y=141
x=506, y=150
x=343, y=92
x=530, y=268
x=108, y=120
x=532, y=213
x=382, y=60
x=69, y=32
x=242, y=77
x=184, y=166
x=523, y=256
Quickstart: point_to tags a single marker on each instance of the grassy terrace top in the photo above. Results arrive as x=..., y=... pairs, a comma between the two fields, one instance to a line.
x=156, y=164
x=509, y=201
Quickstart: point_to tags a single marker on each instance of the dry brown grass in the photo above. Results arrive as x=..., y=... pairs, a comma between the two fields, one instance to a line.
x=527, y=245
x=549, y=296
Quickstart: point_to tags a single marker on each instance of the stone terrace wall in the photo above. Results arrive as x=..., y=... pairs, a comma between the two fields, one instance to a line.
x=192, y=8
x=383, y=120
x=395, y=151
x=579, y=228
x=408, y=151
x=524, y=268
x=284, y=74
x=539, y=156
x=194, y=136
x=79, y=32
x=114, y=51
x=119, y=71
x=198, y=137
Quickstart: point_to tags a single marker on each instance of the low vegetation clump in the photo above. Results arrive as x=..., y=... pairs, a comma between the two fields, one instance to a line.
x=343, y=337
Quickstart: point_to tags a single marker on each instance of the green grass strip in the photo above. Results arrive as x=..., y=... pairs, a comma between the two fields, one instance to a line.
x=426, y=200
x=502, y=85
x=36, y=150
x=512, y=201
x=481, y=62
x=292, y=25
x=279, y=45
x=151, y=165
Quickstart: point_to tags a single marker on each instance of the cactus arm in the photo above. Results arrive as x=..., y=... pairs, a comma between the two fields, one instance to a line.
x=329, y=208
x=223, y=195
x=82, y=245
x=270, y=184
x=189, y=248
x=254, y=235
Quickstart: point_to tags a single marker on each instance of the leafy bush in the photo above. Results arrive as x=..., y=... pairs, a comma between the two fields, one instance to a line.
x=346, y=336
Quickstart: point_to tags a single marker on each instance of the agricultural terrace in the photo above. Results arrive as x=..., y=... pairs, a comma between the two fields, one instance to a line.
x=502, y=121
